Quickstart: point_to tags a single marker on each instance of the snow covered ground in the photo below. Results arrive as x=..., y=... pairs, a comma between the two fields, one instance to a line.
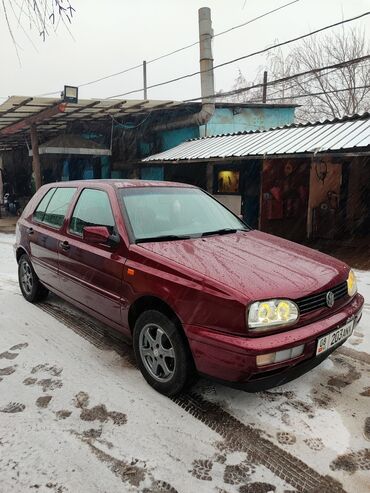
x=76, y=415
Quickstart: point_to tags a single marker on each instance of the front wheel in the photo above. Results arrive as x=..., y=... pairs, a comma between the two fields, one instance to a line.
x=29, y=283
x=161, y=353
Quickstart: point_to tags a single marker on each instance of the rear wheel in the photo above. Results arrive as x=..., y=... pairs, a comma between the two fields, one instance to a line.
x=29, y=283
x=162, y=353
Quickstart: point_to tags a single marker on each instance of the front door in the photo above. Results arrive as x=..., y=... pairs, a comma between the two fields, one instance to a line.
x=91, y=274
x=284, y=201
x=250, y=191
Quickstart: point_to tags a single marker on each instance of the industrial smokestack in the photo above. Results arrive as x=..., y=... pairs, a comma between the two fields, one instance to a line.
x=206, y=57
x=206, y=78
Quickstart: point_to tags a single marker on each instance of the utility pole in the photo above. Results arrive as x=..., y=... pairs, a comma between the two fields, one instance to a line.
x=144, y=79
x=264, y=88
x=35, y=156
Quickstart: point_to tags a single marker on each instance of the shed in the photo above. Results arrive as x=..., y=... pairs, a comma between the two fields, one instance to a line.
x=300, y=181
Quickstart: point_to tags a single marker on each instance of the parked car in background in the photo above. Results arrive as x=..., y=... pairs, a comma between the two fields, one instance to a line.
x=186, y=281
x=11, y=204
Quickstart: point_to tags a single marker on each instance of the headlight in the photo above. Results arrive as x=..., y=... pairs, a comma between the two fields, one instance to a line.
x=265, y=314
x=351, y=283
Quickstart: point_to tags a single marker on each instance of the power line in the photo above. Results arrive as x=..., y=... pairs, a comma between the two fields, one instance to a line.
x=134, y=67
x=130, y=127
x=249, y=55
x=113, y=75
x=297, y=96
x=190, y=45
x=253, y=20
x=293, y=86
x=282, y=79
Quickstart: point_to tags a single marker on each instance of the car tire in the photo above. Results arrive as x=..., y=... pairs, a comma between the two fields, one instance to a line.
x=162, y=353
x=29, y=283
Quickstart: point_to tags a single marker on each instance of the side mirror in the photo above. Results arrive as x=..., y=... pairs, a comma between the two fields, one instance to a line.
x=99, y=234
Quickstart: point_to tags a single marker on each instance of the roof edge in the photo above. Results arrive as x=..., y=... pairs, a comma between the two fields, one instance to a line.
x=356, y=116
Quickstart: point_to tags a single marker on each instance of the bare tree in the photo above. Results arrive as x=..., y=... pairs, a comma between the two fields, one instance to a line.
x=43, y=16
x=323, y=94
x=254, y=94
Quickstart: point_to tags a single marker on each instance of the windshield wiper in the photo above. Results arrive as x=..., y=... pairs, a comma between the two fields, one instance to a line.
x=163, y=238
x=223, y=231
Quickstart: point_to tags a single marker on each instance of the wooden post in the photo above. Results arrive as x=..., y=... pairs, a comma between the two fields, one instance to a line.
x=1, y=183
x=209, y=177
x=264, y=88
x=35, y=156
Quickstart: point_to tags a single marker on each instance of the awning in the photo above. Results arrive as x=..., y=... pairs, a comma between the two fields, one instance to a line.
x=72, y=144
x=53, y=116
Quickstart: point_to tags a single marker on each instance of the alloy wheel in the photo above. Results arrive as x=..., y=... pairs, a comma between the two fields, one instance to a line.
x=157, y=352
x=26, y=277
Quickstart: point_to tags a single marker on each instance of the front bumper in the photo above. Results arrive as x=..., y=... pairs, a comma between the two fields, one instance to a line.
x=232, y=359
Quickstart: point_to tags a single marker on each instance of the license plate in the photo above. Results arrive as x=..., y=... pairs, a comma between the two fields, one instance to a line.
x=333, y=338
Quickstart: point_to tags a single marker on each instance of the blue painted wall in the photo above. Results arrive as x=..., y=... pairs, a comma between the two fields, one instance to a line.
x=152, y=173
x=255, y=118
x=172, y=138
x=105, y=161
x=168, y=139
x=225, y=120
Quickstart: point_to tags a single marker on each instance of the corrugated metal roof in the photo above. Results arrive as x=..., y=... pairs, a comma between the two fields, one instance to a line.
x=336, y=135
x=53, y=116
x=18, y=112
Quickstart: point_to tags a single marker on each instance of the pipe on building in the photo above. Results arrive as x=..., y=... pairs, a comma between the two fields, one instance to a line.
x=206, y=79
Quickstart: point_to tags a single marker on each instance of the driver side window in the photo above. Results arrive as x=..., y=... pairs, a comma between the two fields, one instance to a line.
x=92, y=209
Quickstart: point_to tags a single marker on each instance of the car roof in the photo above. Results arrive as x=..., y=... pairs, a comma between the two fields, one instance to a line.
x=122, y=183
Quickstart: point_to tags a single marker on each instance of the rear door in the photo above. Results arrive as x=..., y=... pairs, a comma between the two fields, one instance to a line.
x=44, y=233
x=91, y=274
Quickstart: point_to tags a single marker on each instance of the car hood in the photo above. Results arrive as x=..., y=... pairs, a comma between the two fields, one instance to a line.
x=256, y=264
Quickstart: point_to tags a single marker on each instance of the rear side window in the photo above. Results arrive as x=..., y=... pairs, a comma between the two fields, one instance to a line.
x=41, y=208
x=58, y=206
x=92, y=209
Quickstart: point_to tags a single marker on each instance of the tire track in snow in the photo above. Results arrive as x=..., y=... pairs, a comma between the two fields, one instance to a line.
x=96, y=333
x=237, y=436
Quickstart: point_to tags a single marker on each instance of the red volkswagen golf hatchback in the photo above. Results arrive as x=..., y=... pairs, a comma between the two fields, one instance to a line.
x=191, y=285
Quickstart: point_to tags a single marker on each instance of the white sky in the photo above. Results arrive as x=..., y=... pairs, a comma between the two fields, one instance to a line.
x=111, y=35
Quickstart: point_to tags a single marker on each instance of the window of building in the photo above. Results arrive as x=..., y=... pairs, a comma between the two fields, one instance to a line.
x=227, y=181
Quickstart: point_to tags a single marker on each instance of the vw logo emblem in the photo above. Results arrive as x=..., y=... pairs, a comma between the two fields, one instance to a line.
x=330, y=298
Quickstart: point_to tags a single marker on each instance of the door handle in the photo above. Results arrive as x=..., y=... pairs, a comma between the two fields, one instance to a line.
x=64, y=245
x=30, y=231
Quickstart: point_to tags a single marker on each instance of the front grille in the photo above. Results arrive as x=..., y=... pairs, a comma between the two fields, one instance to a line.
x=310, y=303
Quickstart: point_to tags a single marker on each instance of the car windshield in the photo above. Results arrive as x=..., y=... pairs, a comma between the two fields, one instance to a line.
x=160, y=213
